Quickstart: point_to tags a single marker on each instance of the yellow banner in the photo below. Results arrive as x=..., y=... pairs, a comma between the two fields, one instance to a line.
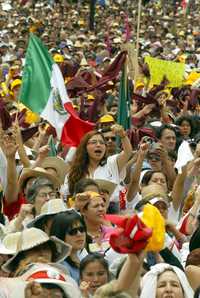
x=172, y=70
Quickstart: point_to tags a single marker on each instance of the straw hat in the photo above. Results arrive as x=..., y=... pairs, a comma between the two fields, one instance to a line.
x=4, y=250
x=49, y=208
x=78, y=44
x=106, y=185
x=57, y=163
x=30, y=238
x=35, y=173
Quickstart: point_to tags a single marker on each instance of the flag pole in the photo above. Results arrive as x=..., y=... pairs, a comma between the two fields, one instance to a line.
x=137, y=40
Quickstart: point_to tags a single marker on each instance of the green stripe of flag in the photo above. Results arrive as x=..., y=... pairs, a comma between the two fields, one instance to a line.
x=35, y=89
x=124, y=101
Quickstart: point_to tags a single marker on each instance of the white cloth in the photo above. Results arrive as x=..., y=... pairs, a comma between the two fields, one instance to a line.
x=149, y=281
x=184, y=156
x=3, y=170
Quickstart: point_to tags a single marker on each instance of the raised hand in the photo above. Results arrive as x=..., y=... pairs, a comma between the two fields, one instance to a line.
x=8, y=142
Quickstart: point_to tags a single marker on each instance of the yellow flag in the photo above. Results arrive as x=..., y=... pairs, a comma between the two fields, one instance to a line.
x=153, y=219
x=172, y=70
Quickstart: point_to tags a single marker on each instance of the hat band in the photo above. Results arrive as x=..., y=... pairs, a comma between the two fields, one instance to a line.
x=46, y=275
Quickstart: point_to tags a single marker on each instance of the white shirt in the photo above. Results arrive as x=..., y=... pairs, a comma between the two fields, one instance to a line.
x=109, y=172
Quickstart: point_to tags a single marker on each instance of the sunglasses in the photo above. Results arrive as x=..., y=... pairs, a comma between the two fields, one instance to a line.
x=113, y=139
x=75, y=231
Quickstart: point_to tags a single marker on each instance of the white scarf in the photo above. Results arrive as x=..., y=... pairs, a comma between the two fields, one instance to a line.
x=149, y=281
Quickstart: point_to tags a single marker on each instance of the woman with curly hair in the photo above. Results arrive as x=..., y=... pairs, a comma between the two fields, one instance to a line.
x=90, y=159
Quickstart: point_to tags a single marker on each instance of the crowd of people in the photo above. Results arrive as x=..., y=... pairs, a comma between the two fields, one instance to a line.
x=118, y=215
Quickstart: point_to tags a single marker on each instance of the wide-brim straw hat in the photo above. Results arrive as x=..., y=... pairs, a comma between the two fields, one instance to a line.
x=106, y=185
x=30, y=238
x=58, y=164
x=35, y=173
x=51, y=207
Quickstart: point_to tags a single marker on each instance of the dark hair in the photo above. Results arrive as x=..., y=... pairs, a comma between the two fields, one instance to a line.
x=93, y=257
x=79, y=167
x=148, y=175
x=187, y=119
x=160, y=131
x=54, y=286
x=81, y=185
x=40, y=223
x=172, y=155
x=197, y=293
x=63, y=222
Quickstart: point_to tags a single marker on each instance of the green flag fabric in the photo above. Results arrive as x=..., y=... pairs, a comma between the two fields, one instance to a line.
x=124, y=101
x=52, y=146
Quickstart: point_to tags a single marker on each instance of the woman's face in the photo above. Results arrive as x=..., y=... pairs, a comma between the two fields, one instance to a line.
x=185, y=128
x=155, y=161
x=40, y=254
x=159, y=178
x=96, y=148
x=96, y=275
x=96, y=210
x=44, y=194
x=168, y=286
x=76, y=236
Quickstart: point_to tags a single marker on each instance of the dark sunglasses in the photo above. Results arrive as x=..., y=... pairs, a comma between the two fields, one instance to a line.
x=75, y=231
x=113, y=139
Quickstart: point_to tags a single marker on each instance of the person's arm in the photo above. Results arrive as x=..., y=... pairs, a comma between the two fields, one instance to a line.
x=129, y=165
x=21, y=150
x=177, y=191
x=9, y=148
x=167, y=166
x=129, y=272
x=16, y=224
x=42, y=154
x=192, y=215
x=124, y=156
x=193, y=275
x=134, y=184
x=39, y=140
x=144, y=111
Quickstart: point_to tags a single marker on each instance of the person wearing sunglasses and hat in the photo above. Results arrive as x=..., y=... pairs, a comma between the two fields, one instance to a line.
x=70, y=227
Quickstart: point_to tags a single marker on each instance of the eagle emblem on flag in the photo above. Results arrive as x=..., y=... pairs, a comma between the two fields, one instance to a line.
x=57, y=102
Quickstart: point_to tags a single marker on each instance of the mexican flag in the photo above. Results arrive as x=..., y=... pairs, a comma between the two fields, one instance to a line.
x=43, y=91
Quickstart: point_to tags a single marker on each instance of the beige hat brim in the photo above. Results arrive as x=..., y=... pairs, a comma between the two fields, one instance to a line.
x=107, y=185
x=63, y=251
x=58, y=164
x=35, y=173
